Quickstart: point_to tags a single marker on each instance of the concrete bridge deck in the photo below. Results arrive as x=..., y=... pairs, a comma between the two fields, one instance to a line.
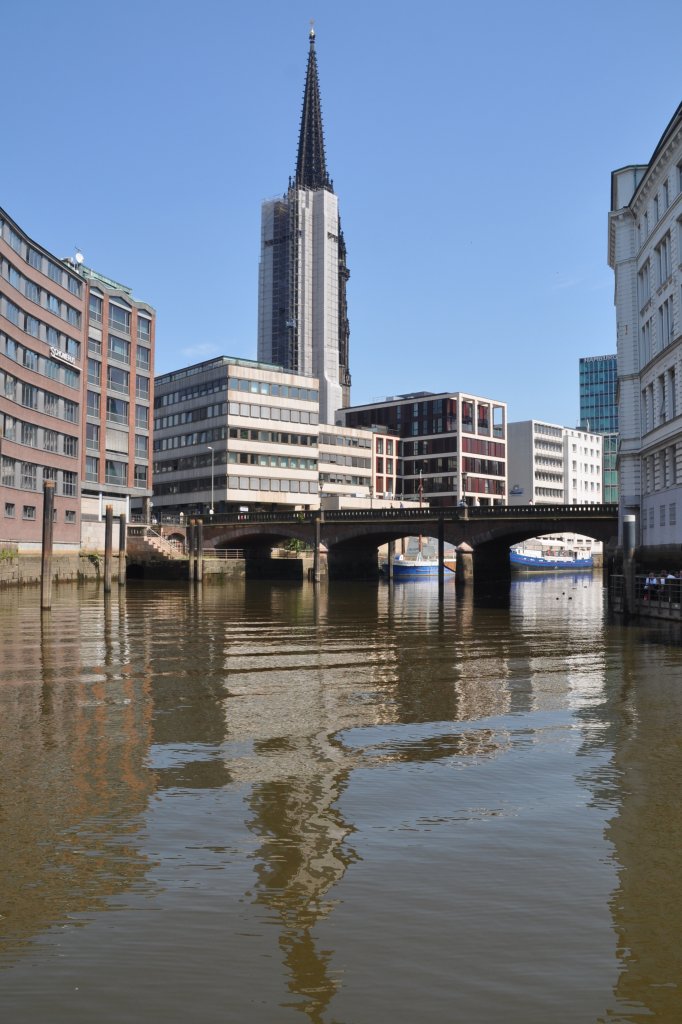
x=482, y=534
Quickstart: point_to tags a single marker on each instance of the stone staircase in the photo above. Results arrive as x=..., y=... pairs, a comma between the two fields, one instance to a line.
x=149, y=546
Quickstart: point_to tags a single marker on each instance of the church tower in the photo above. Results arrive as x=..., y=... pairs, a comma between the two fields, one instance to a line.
x=302, y=309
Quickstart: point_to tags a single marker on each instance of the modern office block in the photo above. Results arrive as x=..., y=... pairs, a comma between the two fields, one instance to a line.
x=119, y=397
x=42, y=347
x=232, y=433
x=599, y=413
x=453, y=444
x=553, y=465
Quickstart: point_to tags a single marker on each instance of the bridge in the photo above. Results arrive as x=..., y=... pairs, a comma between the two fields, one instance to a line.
x=482, y=534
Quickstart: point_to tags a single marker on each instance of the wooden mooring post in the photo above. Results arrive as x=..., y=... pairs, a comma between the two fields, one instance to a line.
x=190, y=550
x=199, y=551
x=46, y=550
x=108, y=546
x=316, y=549
x=441, y=559
x=122, y=546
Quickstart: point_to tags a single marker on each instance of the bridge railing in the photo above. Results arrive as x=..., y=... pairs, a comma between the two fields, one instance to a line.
x=474, y=512
x=448, y=512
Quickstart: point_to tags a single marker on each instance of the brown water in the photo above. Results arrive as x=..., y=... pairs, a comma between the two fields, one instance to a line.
x=255, y=804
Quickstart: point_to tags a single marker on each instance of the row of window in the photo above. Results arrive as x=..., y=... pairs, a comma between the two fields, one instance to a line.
x=31, y=360
x=92, y=440
x=488, y=466
x=210, y=387
x=117, y=410
x=41, y=263
x=29, y=512
x=119, y=349
x=659, y=400
x=659, y=204
x=38, y=329
x=547, y=430
x=206, y=412
x=238, y=483
x=352, y=442
x=30, y=477
x=354, y=461
x=38, y=437
x=32, y=397
x=343, y=478
x=41, y=296
x=267, y=412
x=672, y=516
x=660, y=470
x=115, y=472
x=119, y=318
x=117, y=379
x=262, y=387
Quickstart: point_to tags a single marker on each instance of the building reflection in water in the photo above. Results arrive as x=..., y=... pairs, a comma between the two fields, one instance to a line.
x=637, y=721
x=75, y=731
x=292, y=699
x=288, y=695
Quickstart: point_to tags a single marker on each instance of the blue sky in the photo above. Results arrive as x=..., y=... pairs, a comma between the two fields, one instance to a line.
x=471, y=147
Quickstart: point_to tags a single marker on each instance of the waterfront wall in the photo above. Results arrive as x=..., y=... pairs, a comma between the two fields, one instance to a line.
x=24, y=570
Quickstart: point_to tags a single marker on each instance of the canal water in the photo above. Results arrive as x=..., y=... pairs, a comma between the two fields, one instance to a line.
x=259, y=803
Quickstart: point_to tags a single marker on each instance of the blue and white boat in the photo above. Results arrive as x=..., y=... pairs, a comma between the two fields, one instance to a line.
x=419, y=567
x=524, y=561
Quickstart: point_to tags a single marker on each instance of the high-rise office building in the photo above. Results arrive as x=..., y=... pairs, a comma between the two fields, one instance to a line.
x=599, y=413
x=598, y=403
x=302, y=310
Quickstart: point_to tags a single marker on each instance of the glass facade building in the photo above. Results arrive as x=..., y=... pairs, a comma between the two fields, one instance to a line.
x=599, y=413
x=598, y=405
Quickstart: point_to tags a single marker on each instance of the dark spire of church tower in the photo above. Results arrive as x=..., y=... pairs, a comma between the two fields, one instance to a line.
x=311, y=165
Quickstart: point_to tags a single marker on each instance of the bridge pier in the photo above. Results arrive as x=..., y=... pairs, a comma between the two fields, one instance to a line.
x=464, y=565
x=492, y=575
x=352, y=562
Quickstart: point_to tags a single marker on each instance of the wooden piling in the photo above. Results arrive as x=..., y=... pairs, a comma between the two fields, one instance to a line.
x=441, y=559
x=46, y=550
x=199, y=551
x=389, y=563
x=190, y=550
x=122, y=546
x=316, y=549
x=108, y=546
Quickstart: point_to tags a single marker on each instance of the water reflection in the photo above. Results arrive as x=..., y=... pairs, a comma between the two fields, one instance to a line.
x=75, y=729
x=509, y=772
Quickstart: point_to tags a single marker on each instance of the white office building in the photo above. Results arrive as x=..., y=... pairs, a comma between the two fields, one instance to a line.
x=554, y=465
x=645, y=253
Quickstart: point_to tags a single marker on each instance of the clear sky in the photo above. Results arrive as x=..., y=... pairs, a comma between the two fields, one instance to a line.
x=471, y=147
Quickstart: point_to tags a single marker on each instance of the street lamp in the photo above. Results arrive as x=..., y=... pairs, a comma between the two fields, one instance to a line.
x=212, y=454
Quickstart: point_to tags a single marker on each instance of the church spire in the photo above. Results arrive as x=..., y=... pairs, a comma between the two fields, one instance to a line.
x=311, y=165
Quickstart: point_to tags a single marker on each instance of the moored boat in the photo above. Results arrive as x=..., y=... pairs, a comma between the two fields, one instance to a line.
x=419, y=567
x=523, y=561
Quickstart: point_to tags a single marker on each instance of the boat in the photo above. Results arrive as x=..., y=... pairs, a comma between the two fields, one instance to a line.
x=419, y=567
x=570, y=561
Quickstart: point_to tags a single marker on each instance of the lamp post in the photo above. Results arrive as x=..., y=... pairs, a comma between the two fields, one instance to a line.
x=212, y=454
x=421, y=488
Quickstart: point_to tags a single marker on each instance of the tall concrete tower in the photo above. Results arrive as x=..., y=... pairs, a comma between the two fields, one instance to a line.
x=302, y=310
